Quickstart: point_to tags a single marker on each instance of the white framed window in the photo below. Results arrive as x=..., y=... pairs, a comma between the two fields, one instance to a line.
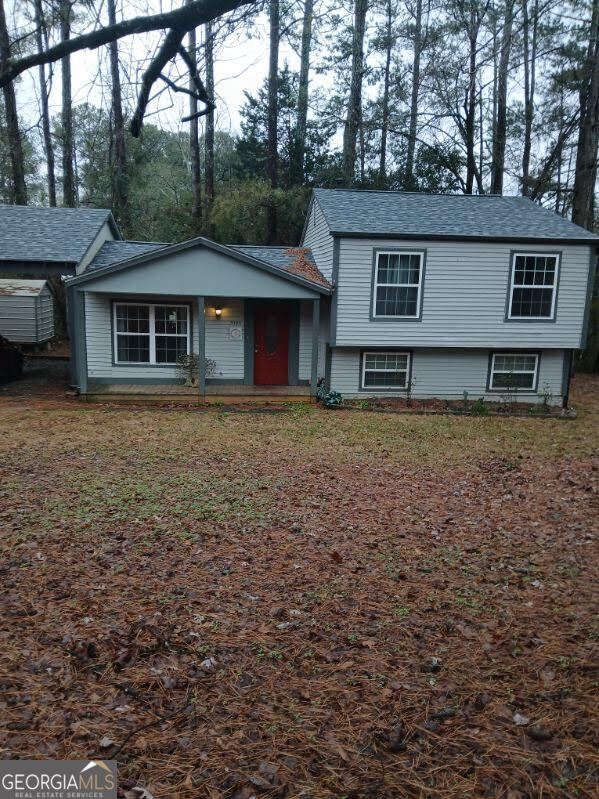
x=397, y=289
x=533, y=286
x=385, y=369
x=511, y=370
x=150, y=333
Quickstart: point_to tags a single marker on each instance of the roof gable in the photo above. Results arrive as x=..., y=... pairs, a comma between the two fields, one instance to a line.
x=51, y=235
x=443, y=216
x=198, y=267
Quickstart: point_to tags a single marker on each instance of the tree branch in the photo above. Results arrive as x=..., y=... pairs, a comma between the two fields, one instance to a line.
x=181, y=19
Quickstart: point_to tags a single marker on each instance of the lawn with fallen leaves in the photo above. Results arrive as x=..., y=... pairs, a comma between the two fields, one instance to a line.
x=305, y=603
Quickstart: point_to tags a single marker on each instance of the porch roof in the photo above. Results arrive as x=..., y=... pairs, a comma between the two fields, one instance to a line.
x=186, y=274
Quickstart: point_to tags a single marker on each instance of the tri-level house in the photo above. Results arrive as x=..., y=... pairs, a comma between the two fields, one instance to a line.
x=388, y=293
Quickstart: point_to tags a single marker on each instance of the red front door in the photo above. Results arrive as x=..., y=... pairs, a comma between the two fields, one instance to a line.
x=271, y=345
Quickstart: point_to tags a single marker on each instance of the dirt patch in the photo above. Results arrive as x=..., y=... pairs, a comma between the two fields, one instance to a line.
x=305, y=604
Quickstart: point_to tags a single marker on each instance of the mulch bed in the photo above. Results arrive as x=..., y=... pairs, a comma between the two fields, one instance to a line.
x=262, y=612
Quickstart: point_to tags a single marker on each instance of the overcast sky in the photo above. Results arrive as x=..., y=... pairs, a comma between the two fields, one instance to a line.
x=240, y=65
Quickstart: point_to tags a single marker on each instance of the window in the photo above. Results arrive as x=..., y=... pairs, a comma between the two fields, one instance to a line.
x=397, y=284
x=155, y=334
x=514, y=371
x=385, y=369
x=533, y=289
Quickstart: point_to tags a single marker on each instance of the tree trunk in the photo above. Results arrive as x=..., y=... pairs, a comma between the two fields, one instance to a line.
x=272, y=155
x=15, y=146
x=119, y=172
x=585, y=174
x=386, y=85
x=470, y=106
x=354, y=107
x=209, y=138
x=46, y=130
x=530, y=59
x=500, y=126
x=68, y=171
x=194, y=143
x=298, y=169
x=410, y=182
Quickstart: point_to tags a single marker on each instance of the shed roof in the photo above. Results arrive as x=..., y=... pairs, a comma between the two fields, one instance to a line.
x=21, y=288
x=30, y=233
x=457, y=216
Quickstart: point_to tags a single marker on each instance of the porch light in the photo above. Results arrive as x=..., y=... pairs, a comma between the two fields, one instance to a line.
x=218, y=312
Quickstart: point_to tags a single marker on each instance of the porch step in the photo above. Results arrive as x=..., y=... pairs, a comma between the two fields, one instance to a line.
x=181, y=395
x=189, y=401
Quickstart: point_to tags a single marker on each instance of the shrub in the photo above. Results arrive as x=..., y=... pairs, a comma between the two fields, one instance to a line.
x=479, y=408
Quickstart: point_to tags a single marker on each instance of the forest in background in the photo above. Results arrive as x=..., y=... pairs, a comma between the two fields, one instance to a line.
x=461, y=96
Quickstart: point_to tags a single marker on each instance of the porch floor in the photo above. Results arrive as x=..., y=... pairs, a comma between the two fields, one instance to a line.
x=227, y=394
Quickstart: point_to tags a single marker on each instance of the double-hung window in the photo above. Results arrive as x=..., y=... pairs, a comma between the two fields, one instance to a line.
x=397, y=290
x=533, y=286
x=514, y=371
x=385, y=369
x=153, y=334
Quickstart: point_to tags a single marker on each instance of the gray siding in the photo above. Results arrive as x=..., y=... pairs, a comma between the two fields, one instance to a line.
x=220, y=347
x=27, y=319
x=320, y=241
x=226, y=351
x=105, y=234
x=199, y=271
x=305, y=339
x=464, y=297
x=445, y=374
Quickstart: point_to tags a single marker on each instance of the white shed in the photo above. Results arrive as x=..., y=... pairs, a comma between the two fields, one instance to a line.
x=26, y=311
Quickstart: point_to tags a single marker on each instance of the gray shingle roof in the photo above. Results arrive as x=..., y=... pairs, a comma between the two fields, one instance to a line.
x=113, y=252
x=285, y=258
x=28, y=233
x=390, y=213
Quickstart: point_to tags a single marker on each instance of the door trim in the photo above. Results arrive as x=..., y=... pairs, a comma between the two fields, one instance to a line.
x=249, y=309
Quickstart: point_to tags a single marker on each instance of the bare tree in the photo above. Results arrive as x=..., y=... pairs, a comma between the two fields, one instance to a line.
x=119, y=174
x=500, y=121
x=302, y=97
x=19, y=190
x=177, y=22
x=272, y=154
x=194, y=141
x=209, y=136
x=69, y=192
x=354, y=106
x=530, y=66
x=410, y=181
x=40, y=27
x=389, y=41
x=585, y=177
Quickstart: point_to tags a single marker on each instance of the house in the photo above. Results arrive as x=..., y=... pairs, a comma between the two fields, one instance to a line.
x=42, y=242
x=388, y=293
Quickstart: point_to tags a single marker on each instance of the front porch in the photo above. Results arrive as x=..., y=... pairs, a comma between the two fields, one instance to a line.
x=182, y=395
x=250, y=331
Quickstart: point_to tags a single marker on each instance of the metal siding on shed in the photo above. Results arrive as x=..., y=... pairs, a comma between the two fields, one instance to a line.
x=320, y=241
x=464, y=297
x=445, y=374
x=27, y=318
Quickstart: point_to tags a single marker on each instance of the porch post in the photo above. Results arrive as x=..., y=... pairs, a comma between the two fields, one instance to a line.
x=315, y=341
x=77, y=327
x=71, y=333
x=201, y=346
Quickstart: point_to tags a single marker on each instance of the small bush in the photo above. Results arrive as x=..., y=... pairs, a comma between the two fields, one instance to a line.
x=479, y=408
